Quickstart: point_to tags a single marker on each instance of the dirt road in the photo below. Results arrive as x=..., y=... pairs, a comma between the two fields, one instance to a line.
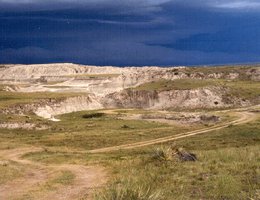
x=86, y=179
x=244, y=118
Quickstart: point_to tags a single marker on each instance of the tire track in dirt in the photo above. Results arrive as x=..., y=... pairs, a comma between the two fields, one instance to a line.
x=18, y=187
x=244, y=118
x=87, y=178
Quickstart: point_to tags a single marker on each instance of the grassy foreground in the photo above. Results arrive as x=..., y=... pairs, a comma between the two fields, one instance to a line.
x=227, y=166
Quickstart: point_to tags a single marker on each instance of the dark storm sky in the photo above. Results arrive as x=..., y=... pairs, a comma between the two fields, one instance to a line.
x=130, y=32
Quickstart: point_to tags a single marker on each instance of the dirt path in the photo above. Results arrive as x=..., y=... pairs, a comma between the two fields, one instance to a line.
x=86, y=179
x=32, y=177
x=244, y=118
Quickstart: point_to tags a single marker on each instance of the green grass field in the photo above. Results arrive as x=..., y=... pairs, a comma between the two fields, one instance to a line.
x=75, y=131
x=227, y=168
x=225, y=157
x=228, y=157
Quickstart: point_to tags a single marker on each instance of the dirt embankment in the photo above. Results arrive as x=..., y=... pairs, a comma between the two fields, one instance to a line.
x=209, y=97
x=73, y=104
x=48, y=108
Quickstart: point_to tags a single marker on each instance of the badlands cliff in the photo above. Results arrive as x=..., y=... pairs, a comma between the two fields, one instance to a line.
x=115, y=87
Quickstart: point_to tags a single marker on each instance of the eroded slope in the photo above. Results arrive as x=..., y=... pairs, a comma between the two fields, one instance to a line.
x=130, y=87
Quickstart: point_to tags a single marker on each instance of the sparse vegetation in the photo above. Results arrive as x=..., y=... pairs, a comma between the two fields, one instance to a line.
x=225, y=70
x=247, y=90
x=54, y=182
x=65, y=178
x=16, y=98
x=10, y=171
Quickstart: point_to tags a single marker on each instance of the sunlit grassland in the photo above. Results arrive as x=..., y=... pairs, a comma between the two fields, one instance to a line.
x=76, y=132
x=219, y=174
x=228, y=157
x=227, y=166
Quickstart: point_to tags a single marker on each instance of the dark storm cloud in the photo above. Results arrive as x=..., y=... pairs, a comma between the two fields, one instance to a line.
x=130, y=32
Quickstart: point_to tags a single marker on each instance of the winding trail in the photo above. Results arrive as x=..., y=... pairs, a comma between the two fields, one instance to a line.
x=244, y=118
x=86, y=179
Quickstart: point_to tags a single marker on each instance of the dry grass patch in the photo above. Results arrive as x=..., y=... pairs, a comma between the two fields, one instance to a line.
x=9, y=171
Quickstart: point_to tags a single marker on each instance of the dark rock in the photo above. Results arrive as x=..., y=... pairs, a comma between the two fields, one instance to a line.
x=185, y=156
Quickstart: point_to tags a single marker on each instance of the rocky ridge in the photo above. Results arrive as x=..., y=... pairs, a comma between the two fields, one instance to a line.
x=110, y=87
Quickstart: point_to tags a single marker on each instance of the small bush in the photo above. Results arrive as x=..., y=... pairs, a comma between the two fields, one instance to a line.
x=162, y=154
x=93, y=115
x=125, y=126
x=173, y=154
